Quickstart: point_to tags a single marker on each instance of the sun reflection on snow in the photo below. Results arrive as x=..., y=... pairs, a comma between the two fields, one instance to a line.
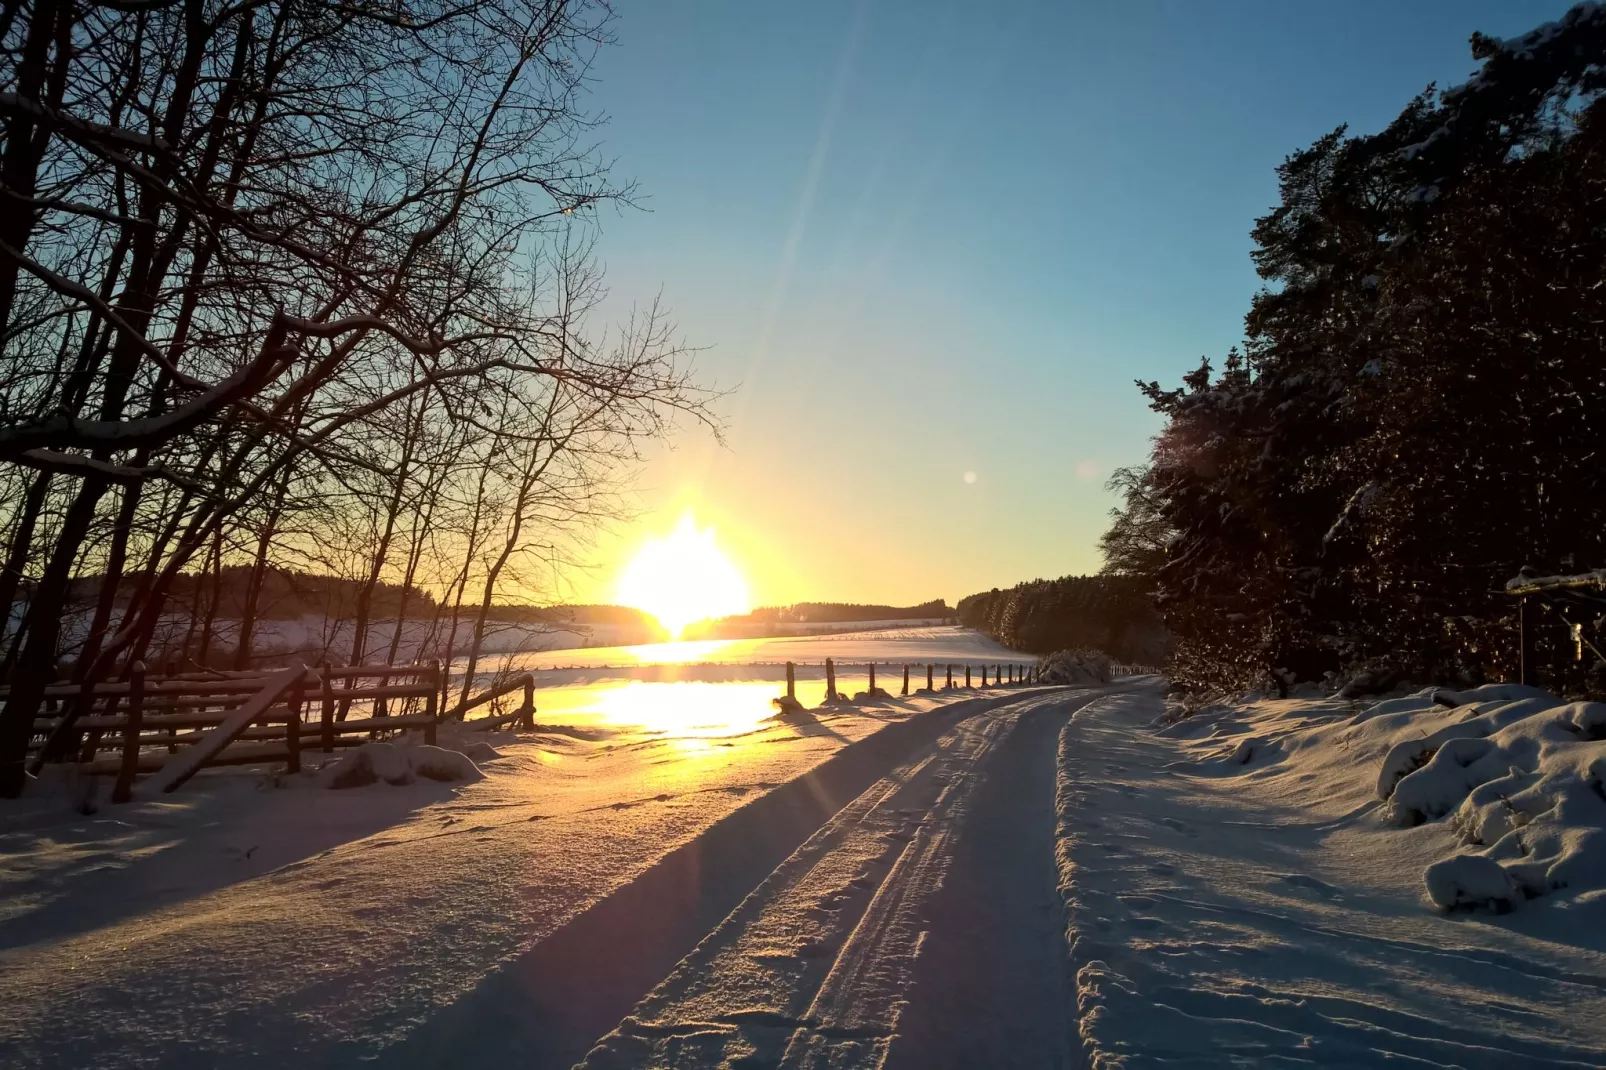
x=688, y=709
x=677, y=653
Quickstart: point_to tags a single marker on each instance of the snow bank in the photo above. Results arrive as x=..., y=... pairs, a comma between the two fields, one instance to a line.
x=1513, y=773
x=398, y=764
x=1518, y=775
x=1076, y=667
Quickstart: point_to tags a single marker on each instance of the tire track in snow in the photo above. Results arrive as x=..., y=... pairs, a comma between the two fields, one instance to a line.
x=816, y=966
x=545, y=1008
x=992, y=986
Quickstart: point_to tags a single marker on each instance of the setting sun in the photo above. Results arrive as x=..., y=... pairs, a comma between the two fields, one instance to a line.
x=682, y=578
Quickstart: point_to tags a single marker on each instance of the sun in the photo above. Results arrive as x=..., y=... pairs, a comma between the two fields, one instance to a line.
x=683, y=577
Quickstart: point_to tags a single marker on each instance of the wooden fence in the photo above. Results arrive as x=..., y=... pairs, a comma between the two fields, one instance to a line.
x=1017, y=675
x=173, y=726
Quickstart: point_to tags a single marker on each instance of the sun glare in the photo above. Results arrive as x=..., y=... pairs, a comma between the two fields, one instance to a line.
x=683, y=578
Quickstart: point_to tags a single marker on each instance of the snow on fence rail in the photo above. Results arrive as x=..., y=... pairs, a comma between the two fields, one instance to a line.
x=175, y=725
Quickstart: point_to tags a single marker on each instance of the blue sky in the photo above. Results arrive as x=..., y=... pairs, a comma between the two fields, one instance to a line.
x=920, y=239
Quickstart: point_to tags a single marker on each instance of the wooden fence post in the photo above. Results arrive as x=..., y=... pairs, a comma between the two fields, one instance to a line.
x=124, y=789
x=928, y=679
x=905, y=690
x=791, y=681
x=967, y=675
x=872, y=679
x=327, y=718
x=529, y=702
x=432, y=702
x=830, y=680
x=292, y=731
x=950, y=682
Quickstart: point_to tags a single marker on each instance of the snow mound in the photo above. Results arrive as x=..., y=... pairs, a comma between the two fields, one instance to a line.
x=398, y=764
x=1076, y=667
x=789, y=708
x=1517, y=774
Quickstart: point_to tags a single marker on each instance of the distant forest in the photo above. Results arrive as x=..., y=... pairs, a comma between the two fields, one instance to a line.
x=1416, y=413
x=830, y=612
x=285, y=594
x=1108, y=613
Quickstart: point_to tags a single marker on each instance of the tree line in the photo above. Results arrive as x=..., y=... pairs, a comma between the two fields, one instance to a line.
x=829, y=612
x=1416, y=412
x=300, y=286
x=1111, y=614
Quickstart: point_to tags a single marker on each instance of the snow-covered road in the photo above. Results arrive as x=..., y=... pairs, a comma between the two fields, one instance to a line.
x=919, y=927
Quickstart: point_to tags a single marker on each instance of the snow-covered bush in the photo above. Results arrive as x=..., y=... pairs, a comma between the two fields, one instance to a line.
x=1076, y=667
x=1518, y=774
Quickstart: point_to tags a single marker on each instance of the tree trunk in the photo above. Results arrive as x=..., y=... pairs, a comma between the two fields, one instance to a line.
x=36, y=665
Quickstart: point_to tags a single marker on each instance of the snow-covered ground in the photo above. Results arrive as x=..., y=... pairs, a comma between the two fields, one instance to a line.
x=1037, y=877
x=1239, y=893
x=261, y=921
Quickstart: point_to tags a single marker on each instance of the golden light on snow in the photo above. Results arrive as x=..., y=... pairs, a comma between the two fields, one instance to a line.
x=680, y=653
x=682, y=578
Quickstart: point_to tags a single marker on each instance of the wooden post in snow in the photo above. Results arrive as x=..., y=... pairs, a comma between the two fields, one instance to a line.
x=872, y=678
x=928, y=679
x=950, y=682
x=292, y=730
x=791, y=681
x=124, y=789
x=905, y=690
x=830, y=680
x=327, y=717
x=432, y=703
x=967, y=675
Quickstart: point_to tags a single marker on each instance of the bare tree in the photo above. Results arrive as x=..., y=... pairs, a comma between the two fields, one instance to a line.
x=241, y=238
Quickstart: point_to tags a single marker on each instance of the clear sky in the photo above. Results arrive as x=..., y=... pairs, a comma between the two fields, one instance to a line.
x=920, y=238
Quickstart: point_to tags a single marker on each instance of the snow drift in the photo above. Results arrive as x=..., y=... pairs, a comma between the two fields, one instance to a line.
x=398, y=764
x=1514, y=773
x=1518, y=775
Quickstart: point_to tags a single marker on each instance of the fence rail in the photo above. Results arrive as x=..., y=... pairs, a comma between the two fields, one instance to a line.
x=173, y=726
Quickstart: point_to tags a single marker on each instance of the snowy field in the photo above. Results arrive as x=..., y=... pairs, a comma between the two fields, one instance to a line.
x=1032, y=877
x=259, y=920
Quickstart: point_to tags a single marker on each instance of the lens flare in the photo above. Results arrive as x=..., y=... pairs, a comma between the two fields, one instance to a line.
x=683, y=578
